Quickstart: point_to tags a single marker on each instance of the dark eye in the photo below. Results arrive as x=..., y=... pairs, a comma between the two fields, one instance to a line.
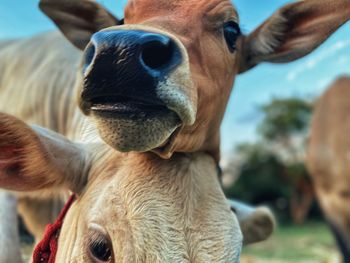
x=101, y=250
x=231, y=32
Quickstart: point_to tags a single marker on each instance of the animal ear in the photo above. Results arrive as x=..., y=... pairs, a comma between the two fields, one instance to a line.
x=34, y=158
x=293, y=32
x=78, y=19
x=257, y=224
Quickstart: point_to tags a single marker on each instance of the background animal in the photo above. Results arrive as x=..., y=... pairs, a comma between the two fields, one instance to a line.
x=9, y=240
x=328, y=159
x=180, y=104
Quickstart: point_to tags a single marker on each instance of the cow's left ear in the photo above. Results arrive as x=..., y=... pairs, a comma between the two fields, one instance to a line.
x=78, y=19
x=293, y=32
x=33, y=158
x=257, y=224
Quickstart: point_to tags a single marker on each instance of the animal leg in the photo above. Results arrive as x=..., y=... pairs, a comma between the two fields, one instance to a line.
x=10, y=250
x=341, y=240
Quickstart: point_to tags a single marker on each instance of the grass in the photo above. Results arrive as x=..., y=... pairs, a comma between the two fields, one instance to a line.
x=310, y=243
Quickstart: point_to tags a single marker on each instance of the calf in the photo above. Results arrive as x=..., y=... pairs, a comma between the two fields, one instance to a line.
x=152, y=89
x=328, y=159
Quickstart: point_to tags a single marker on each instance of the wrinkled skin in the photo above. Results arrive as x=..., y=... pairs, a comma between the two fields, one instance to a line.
x=165, y=204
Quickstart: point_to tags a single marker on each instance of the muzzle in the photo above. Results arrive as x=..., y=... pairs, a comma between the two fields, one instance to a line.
x=136, y=86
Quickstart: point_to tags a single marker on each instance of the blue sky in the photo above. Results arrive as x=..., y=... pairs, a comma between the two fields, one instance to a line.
x=307, y=77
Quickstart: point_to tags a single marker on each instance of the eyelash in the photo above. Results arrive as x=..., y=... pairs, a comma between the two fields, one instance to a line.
x=95, y=236
x=95, y=240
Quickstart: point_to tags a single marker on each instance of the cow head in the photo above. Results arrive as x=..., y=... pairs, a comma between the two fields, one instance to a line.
x=129, y=209
x=160, y=80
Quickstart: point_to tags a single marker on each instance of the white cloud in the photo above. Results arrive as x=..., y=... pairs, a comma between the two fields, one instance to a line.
x=314, y=61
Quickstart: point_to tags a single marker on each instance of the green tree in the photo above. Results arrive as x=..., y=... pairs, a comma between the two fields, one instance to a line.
x=259, y=179
x=284, y=118
x=284, y=127
x=275, y=166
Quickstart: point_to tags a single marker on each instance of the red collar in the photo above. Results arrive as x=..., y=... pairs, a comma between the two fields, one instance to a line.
x=45, y=251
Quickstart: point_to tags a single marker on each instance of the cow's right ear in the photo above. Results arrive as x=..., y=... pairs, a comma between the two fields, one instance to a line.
x=292, y=32
x=257, y=224
x=34, y=158
x=78, y=19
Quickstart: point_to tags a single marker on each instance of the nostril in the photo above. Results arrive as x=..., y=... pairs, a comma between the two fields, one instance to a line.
x=156, y=54
x=89, y=56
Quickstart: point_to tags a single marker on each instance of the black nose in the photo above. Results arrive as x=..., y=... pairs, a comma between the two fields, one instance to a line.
x=156, y=53
x=124, y=61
